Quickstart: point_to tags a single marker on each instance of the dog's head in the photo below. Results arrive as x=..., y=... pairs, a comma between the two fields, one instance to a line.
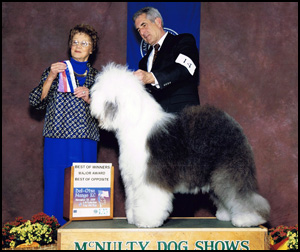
x=116, y=97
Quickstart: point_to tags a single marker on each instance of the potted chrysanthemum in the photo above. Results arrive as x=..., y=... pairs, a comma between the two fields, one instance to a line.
x=284, y=238
x=39, y=231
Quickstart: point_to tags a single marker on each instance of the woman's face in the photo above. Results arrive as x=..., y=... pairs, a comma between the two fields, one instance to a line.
x=79, y=52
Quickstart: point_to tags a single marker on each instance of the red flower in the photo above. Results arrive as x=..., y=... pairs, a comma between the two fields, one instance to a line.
x=40, y=218
x=11, y=237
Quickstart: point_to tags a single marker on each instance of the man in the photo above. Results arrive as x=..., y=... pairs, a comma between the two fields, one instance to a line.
x=173, y=77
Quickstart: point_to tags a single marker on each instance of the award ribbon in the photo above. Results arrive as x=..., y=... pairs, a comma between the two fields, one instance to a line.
x=67, y=82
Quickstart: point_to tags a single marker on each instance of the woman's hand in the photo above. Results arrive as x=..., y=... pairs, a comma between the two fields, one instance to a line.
x=82, y=92
x=56, y=68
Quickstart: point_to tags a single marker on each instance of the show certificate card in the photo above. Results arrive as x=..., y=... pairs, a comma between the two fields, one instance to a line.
x=91, y=191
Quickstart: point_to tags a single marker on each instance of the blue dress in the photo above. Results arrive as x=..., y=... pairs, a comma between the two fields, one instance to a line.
x=58, y=155
x=71, y=135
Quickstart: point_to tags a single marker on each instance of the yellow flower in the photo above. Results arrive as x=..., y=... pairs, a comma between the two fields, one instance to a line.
x=293, y=240
x=12, y=244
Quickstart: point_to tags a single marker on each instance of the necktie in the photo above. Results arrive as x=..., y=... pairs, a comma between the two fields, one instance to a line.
x=156, y=47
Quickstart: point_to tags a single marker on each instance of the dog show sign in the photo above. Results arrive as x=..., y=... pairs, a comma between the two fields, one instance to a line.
x=88, y=191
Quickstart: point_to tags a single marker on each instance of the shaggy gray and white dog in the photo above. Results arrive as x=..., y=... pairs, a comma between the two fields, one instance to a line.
x=200, y=149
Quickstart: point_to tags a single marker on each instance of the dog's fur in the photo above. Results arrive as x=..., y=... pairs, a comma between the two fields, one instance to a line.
x=200, y=149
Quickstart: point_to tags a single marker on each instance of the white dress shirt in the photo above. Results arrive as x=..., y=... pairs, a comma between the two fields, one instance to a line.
x=150, y=59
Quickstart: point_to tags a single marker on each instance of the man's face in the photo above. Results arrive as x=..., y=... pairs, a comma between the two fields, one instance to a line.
x=150, y=32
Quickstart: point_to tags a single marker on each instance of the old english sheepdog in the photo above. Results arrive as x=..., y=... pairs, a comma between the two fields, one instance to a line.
x=200, y=149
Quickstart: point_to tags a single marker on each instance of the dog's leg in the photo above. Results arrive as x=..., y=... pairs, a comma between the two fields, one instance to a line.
x=245, y=210
x=129, y=192
x=246, y=207
x=129, y=203
x=251, y=210
x=222, y=213
x=240, y=210
x=152, y=206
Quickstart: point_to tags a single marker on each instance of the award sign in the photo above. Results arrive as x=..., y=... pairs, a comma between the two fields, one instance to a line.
x=88, y=191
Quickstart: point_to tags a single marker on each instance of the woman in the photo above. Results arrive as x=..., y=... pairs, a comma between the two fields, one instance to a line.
x=71, y=133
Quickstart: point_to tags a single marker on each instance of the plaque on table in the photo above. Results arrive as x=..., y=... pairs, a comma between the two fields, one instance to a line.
x=88, y=191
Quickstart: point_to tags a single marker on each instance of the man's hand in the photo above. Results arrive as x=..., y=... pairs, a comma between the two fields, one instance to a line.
x=144, y=76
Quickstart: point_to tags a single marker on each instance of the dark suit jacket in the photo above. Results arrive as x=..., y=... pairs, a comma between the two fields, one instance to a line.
x=178, y=88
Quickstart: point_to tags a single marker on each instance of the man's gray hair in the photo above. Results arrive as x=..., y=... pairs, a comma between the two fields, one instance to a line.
x=151, y=13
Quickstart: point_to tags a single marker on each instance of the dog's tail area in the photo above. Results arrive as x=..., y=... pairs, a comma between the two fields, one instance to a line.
x=260, y=205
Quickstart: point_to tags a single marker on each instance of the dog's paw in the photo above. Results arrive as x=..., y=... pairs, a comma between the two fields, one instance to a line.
x=223, y=215
x=247, y=220
x=130, y=221
x=148, y=225
x=143, y=222
x=129, y=216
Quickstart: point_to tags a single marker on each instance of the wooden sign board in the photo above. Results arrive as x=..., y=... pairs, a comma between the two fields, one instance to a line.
x=175, y=234
x=88, y=191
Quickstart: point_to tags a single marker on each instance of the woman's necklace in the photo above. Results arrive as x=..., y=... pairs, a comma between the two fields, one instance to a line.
x=81, y=75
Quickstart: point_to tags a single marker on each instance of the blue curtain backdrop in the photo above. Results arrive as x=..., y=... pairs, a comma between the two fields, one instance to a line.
x=178, y=17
